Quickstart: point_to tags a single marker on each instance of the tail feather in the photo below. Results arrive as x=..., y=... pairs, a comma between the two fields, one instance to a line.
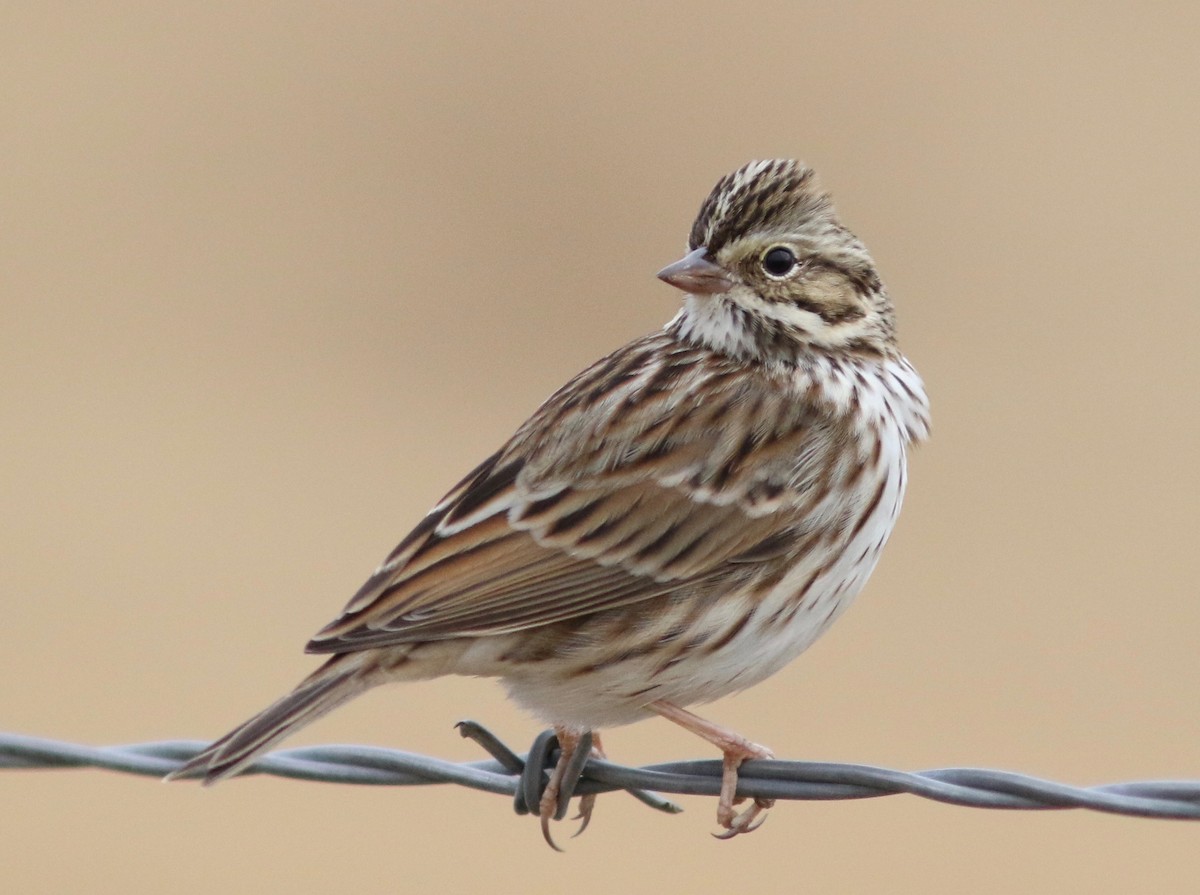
x=341, y=678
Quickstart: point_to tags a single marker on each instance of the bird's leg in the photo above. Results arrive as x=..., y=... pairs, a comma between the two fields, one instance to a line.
x=568, y=744
x=735, y=749
x=588, y=801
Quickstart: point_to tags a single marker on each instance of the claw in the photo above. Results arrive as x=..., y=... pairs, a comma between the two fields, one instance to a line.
x=563, y=779
x=748, y=821
x=548, y=806
x=546, y=834
x=735, y=749
x=586, y=804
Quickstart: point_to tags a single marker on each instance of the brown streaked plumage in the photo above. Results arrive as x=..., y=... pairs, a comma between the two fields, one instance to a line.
x=676, y=523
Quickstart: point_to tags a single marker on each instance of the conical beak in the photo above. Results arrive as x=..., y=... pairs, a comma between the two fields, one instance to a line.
x=696, y=274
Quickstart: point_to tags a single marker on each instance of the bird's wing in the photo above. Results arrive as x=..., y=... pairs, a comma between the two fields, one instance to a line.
x=617, y=490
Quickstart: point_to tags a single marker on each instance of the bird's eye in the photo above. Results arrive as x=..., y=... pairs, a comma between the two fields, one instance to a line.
x=779, y=262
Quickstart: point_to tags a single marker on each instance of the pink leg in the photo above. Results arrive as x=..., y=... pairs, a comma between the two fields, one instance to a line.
x=735, y=749
x=568, y=741
x=588, y=802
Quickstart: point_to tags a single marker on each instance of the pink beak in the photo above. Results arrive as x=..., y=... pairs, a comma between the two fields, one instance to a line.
x=697, y=275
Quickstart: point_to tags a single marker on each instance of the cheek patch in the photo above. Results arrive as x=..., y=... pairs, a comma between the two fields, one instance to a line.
x=831, y=295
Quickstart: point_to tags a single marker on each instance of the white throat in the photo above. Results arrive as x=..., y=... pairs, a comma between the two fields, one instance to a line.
x=716, y=324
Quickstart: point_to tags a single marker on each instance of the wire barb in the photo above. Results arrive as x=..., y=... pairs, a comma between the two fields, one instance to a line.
x=523, y=779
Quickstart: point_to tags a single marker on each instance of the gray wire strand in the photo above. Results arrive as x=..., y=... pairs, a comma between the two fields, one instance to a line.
x=502, y=774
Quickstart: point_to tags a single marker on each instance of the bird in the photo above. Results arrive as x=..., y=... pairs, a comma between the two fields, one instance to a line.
x=675, y=524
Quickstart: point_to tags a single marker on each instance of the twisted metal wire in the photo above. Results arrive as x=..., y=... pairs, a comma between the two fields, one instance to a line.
x=523, y=776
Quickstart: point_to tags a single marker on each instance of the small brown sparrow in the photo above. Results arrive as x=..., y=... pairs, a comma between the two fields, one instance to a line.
x=677, y=522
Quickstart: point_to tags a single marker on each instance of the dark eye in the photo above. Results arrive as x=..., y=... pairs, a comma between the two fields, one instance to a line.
x=779, y=262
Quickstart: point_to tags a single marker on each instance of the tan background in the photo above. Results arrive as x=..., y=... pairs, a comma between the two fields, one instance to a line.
x=273, y=277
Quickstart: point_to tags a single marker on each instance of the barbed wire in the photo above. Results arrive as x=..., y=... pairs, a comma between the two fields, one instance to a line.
x=523, y=776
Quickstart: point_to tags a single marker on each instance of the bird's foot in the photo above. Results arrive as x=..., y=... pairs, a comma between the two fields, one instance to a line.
x=736, y=749
x=566, y=773
x=753, y=817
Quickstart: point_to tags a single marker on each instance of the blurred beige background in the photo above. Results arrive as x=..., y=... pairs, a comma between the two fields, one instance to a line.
x=272, y=276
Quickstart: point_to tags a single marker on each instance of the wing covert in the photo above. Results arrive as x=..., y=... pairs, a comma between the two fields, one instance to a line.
x=622, y=487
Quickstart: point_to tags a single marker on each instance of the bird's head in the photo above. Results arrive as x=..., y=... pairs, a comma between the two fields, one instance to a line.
x=771, y=273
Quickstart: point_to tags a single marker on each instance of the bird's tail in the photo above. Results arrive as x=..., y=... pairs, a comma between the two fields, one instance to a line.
x=340, y=679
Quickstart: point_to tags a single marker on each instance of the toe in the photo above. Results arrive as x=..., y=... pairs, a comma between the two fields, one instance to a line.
x=586, y=804
x=746, y=822
x=546, y=834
